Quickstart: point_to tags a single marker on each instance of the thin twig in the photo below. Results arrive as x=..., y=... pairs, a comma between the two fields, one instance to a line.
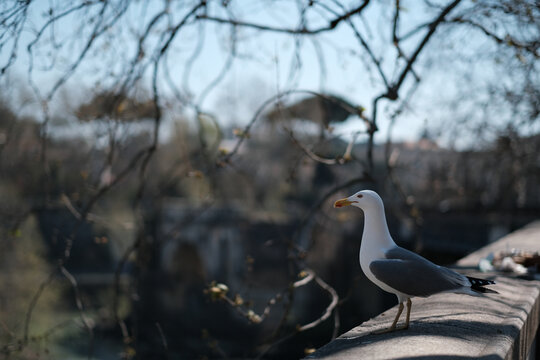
x=80, y=308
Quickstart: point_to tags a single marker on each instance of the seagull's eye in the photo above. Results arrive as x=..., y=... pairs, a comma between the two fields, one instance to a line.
x=359, y=196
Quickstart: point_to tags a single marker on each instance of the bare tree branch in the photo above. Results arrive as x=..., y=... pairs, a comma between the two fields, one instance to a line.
x=393, y=91
x=300, y=31
x=531, y=47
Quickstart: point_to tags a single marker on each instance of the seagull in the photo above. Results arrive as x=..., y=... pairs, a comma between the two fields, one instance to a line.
x=397, y=270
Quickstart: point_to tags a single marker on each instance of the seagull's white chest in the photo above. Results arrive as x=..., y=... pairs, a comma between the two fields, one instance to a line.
x=370, y=250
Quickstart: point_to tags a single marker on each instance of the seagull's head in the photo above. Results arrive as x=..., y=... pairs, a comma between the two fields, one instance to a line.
x=365, y=200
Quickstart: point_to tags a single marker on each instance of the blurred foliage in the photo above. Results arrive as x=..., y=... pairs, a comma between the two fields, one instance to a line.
x=23, y=268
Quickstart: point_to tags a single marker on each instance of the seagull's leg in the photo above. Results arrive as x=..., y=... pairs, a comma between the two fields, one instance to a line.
x=409, y=305
x=406, y=325
x=400, y=310
x=393, y=326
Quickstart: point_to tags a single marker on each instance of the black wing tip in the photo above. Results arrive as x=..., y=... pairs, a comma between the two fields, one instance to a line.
x=478, y=285
x=484, y=290
x=480, y=282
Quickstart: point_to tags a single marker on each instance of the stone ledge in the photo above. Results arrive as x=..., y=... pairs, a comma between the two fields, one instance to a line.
x=452, y=326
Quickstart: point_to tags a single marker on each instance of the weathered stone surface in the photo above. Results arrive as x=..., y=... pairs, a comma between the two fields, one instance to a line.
x=452, y=326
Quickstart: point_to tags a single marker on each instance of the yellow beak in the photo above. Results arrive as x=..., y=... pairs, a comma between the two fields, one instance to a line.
x=343, y=202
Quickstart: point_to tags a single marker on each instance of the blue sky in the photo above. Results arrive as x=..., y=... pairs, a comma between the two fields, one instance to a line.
x=266, y=62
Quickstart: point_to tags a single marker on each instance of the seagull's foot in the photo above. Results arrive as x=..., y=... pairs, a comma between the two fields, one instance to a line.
x=383, y=331
x=402, y=327
x=390, y=329
x=394, y=326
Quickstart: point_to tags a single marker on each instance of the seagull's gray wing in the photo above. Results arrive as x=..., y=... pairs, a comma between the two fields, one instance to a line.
x=413, y=275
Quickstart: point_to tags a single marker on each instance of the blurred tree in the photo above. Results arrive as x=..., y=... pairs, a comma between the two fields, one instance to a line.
x=116, y=106
x=471, y=65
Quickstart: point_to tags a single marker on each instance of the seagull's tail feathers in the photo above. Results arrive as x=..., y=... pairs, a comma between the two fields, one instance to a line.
x=478, y=285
